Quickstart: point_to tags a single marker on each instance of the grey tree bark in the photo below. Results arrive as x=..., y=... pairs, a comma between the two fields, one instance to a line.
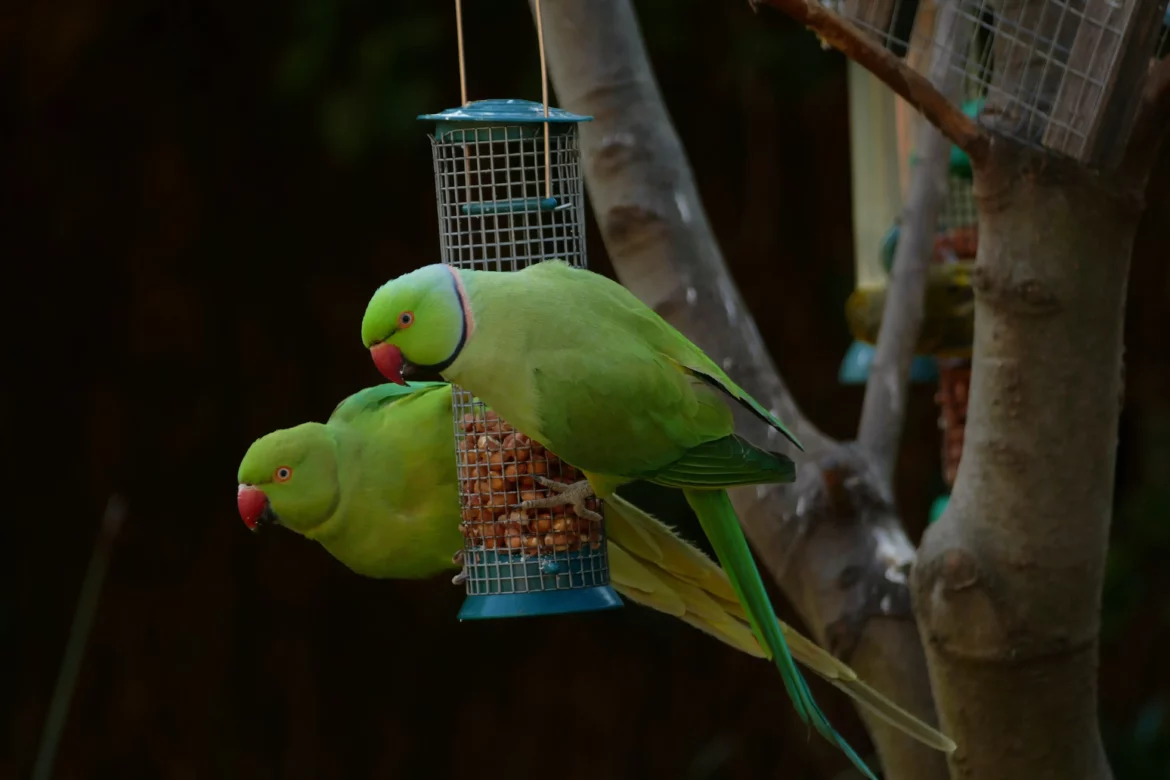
x=834, y=541
x=1008, y=582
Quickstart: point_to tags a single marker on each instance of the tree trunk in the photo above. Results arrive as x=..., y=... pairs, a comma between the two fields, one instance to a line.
x=1008, y=584
x=834, y=542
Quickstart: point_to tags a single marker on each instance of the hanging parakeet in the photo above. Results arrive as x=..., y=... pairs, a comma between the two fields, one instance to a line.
x=377, y=487
x=948, y=323
x=576, y=362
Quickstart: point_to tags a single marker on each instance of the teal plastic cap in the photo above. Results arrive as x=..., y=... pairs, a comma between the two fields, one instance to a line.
x=855, y=366
x=549, y=602
x=504, y=112
x=937, y=508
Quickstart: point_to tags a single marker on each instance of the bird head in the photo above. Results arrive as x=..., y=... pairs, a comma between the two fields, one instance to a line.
x=419, y=320
x=289, y=478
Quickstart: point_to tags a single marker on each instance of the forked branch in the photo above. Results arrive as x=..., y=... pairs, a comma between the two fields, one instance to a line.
x=910, y=85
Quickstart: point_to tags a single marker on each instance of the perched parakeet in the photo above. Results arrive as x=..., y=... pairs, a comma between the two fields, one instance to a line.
x=948, y=322
x=577, y=363
x=377, y=487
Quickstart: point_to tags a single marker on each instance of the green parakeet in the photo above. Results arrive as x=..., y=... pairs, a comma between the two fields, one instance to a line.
x=377, y=487
x=576, y=362
x=948, y=323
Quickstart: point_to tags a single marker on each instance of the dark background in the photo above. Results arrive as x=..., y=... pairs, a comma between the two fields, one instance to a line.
x=197, y=201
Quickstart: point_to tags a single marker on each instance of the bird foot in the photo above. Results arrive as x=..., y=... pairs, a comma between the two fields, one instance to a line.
x=575, y=495
x=461, y=577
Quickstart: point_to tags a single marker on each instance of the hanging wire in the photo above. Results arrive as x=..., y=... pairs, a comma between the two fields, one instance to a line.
x=543, y=89
x=462, y=62
x=544, y=100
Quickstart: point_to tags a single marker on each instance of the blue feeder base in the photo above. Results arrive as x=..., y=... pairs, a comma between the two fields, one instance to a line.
x=506, y=584
x=855, y=366
x=549, y=602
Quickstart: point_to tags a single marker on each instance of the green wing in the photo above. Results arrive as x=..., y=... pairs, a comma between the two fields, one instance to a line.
x=602, y=336
x=736, y=393
x=374, y=398
x=724, y=463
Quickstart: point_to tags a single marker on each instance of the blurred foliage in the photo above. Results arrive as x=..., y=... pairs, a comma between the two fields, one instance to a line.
x=367, y=68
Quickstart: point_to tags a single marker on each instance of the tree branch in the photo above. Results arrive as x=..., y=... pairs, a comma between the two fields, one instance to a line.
x=842, y=567
x=910, y=85
x=884, y=409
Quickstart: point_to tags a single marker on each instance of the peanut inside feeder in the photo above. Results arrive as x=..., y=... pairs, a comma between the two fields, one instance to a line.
x=497, y=466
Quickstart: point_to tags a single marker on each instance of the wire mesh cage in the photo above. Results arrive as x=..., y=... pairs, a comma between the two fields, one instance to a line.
x=506, y=201
x=1047, y=68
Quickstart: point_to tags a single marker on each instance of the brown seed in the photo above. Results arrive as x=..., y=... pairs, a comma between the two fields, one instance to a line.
x=496, y=460
x=560, y=542
x=542, y=524
x=522, y=452
x=539, y=467
x=515, y=542
x=498, y=484
x=560, y=525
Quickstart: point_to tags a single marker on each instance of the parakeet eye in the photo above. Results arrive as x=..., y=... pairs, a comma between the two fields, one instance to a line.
x=405, y=319
x=282, y=474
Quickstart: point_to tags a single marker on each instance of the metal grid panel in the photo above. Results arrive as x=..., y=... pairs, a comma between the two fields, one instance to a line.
x=1045, y=67
x=494, y=215
x=502, y=169
x=958, y=210
x=519, y=551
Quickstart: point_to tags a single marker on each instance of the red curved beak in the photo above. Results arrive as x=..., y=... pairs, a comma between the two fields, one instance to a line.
x=388, y=359
x=252, y=504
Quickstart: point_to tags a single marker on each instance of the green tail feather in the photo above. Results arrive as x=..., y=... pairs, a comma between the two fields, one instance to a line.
x=719, y=521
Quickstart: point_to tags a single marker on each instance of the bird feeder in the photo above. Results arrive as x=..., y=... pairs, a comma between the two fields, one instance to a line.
x=510, y=194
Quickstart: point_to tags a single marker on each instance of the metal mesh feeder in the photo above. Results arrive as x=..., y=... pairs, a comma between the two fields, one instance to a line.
x=1048, y=68
x=506, y=201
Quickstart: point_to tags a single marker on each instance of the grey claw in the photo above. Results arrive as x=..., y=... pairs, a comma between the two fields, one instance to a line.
x=457, y=558
x=459, y=578
x=552, y=484
x=588, y=514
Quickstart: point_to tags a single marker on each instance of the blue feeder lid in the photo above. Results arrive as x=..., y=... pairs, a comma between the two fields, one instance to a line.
x=855, y=366
x=936, y=509
x=505, y=112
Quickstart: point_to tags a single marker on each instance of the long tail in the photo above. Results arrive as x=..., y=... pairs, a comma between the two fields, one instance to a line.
x=721, y=525
x=654, y=567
